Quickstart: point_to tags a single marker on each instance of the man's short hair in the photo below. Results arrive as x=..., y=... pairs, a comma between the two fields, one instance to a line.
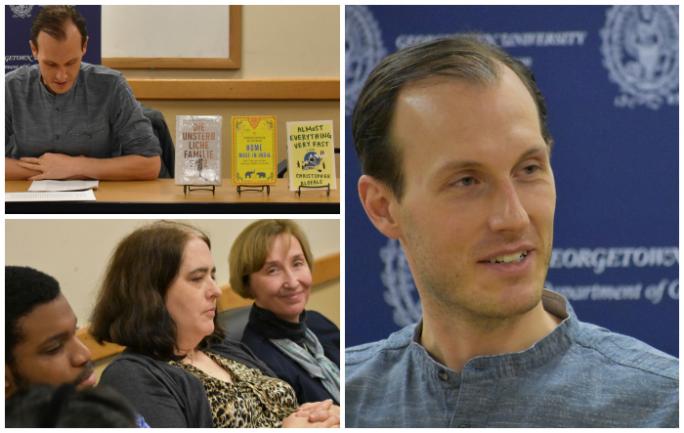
x=25, y=289
x=130, y=308
x=465, y=58
x=250, y=249
x=53, y=19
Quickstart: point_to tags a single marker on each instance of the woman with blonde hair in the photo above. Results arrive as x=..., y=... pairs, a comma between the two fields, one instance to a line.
x=271, y=262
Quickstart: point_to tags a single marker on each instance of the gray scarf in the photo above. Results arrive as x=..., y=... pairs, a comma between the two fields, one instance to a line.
x=313, y=360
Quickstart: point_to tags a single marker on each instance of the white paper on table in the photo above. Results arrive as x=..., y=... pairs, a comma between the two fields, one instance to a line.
x=88, y=195
x=63, y=185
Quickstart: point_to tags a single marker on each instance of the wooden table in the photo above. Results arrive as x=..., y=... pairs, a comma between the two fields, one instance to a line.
x=164, y=196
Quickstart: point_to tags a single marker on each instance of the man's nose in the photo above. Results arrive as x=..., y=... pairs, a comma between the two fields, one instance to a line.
x=509, y=214
x=81, y=354
x=61, y=74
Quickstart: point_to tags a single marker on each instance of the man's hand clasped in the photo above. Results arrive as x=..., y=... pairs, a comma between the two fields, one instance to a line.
x=51, y=166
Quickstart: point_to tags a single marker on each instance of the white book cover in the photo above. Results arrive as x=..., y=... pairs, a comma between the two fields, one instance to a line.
x=198, y=150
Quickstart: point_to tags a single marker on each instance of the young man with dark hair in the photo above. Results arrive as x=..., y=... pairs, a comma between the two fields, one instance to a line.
x=41, y=346
x=455, y=151
x=65, y=119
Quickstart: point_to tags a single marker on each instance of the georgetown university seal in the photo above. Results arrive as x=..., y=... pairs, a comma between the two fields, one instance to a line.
x=640, y=51
x=21, y=11
x=401, y=292
x=363, y=50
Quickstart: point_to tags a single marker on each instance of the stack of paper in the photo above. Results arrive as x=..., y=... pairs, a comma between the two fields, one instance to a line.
x=87, y=195
x=63, y=185
x=56, y=190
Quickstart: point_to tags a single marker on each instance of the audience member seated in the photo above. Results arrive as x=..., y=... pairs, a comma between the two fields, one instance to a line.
x=41, y=346
x=271, y=262
x=158, y=298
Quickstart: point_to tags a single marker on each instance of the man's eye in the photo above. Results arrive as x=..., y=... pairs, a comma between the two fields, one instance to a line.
x=53, y=350
x=531, y=169
x=465, y=181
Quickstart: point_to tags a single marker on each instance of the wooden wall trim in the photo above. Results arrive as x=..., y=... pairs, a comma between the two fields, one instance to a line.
x=236, y=89
x=326, y=269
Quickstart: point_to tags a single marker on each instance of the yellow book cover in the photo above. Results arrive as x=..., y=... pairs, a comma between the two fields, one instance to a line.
x=311, y=154
x=254, y=150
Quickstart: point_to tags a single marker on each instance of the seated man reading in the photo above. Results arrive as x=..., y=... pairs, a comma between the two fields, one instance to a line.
x=65, y=119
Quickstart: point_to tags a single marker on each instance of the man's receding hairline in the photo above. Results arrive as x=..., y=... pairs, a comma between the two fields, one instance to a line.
x=63, y=35
x=431, y=81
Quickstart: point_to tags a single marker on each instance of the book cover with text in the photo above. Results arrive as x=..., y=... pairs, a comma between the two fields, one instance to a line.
x=254, y=150
x=198, y=150
x=311, y=154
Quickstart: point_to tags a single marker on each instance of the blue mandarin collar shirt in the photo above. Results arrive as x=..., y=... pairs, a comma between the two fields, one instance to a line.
x=580, y=375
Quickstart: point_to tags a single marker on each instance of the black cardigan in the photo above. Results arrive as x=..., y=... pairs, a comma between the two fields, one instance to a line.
x=307, y=388
x=165, y=395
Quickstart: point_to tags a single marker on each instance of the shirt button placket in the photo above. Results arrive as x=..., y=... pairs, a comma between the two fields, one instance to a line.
x=58, y=121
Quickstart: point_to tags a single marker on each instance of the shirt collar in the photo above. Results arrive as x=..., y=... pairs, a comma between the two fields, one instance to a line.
x=509, y=364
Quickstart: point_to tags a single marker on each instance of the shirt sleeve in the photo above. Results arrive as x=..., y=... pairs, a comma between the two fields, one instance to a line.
x=146, y=390
x=133, y=131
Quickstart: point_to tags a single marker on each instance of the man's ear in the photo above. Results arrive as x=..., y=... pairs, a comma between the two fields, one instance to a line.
x=34, y=49
x=10, y=382
x=379, y=202
x=85, y=45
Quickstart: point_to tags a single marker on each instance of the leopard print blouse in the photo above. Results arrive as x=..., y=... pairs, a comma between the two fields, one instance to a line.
x=252, y=400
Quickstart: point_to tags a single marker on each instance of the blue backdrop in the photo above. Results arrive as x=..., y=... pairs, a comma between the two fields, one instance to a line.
x=18, y=20
x=610, y=78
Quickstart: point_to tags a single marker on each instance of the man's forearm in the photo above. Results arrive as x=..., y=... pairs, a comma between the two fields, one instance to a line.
x=129, y=167
x=13, y=171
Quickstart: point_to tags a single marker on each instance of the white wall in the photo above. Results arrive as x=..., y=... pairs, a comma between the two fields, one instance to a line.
x=76, y=252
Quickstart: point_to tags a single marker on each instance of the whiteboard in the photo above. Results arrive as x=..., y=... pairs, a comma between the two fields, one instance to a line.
x=142, y=33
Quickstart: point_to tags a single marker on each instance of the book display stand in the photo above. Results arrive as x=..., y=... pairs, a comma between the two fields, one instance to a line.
x=299, y=190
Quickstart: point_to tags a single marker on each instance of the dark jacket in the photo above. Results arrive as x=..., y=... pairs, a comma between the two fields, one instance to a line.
x=161, y=131
x=307, y=388
x=165, y=395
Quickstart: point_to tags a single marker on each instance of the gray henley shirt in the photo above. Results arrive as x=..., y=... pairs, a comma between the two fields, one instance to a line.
x=98, y=117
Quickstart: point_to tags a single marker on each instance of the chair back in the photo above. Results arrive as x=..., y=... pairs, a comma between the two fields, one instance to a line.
x=161, y=131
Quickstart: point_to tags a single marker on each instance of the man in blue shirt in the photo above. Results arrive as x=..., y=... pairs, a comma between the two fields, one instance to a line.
x=65, y=119
x=455, y=152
